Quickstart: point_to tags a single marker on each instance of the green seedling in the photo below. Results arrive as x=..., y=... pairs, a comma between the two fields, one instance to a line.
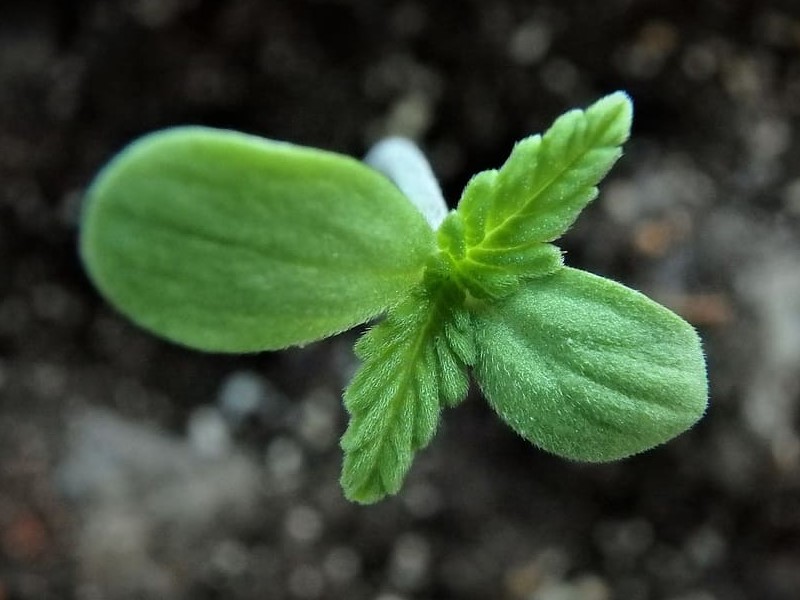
x=226, y=242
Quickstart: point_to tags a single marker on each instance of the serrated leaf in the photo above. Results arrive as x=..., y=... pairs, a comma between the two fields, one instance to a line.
x=227, y=242
x=547, y=180
x=589, y=369
x=506, y=217
x=413, y=361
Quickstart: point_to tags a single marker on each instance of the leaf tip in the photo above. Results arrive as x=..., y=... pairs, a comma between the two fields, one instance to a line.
x=617, y=110
x=364, y=495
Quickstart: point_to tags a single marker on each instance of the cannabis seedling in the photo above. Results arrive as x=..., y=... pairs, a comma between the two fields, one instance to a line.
x=226, y=242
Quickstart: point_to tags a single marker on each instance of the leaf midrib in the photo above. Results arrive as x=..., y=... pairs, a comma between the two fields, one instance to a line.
x=589, y=146
x=417, y=344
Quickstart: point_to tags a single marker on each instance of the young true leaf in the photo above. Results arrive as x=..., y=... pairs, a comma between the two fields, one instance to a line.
x=589, y=369
x=492, y=272
x=505, y=217
x=414, y=361
x=229, y=242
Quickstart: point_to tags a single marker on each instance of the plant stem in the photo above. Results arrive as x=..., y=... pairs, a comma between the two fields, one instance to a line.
x=405, y=164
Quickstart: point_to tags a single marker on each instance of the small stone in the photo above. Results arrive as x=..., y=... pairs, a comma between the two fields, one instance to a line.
x=624, y=541
x=410, y=561
x=317, y=420
x=530, y=42
x=544, y=570
x=587, y=587
x=422, y=500
x=342, y=565
x=668, y=564
x=208, y=433
x=156, y=14
x=245, y=394
x=25, y=538
x=284, y=459
x=48, y=380
x=306, y=581
x=559, y=76
x=304, y=524
x=230, y=558
x=646, y=56
x=770, y=138
x=591, y=587
x=706, y=547
x=52, y=303
x=700, y=62
x=791, y=197
x=777, y=29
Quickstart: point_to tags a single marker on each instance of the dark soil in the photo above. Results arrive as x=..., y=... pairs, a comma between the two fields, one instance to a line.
x=132, y=469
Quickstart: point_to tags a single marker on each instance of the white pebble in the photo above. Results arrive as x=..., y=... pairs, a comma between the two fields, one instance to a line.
x=304, y=524
x=208, y=433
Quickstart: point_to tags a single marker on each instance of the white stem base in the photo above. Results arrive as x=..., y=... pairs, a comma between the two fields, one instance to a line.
x=405, y=164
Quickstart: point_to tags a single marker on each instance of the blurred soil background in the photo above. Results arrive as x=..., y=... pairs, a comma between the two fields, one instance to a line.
x=134, y=469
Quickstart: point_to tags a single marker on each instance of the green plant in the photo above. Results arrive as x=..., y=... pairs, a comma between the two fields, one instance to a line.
x=226, y=242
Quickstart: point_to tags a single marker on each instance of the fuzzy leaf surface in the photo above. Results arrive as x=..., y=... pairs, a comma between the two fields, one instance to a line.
x=588, y=369
x=413, y=362
x=228, y=242
x=506, y=217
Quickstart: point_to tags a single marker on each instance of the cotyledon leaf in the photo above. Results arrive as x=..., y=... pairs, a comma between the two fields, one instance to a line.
x=228, y=242
x=500, y=232
x=589, y=369
x=415, y=360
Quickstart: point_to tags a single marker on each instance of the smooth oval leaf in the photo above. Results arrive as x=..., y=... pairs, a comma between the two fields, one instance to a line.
x=589, y=369
x=228, y=242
